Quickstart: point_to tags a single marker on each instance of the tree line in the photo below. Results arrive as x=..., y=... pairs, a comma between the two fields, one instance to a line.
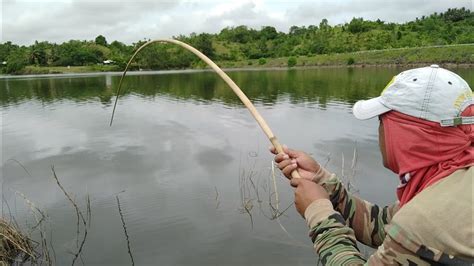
x=455, y=26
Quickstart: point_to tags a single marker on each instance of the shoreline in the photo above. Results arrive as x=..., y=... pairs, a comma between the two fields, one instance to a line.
x=459, y=56
x=72, y=73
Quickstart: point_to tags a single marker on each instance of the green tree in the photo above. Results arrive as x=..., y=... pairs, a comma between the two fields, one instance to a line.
x=318, y=46
x=455, y=14
x=6, y=49
x=77, y=53
x=203, y=42
x=100, y=40
x=358, y=25
x=17, y=61
x=120, y=53
x=324, y=25
x=268, y=33
x=240, y=34
x=38, y=53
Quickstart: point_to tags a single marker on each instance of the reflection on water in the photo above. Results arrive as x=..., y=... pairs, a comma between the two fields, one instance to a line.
x=267, y=87
x=174, y=155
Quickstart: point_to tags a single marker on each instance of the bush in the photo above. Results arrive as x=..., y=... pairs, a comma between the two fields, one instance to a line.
x=262, y=61
x=249, y=63
x=291, y=61
x=350, y=61
x=16, y=62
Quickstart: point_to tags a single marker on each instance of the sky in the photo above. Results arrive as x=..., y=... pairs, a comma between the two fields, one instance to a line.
x=128, y=21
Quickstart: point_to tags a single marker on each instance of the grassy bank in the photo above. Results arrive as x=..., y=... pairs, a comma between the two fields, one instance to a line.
x=409, y=56
x=463, y=54
x=34, y=70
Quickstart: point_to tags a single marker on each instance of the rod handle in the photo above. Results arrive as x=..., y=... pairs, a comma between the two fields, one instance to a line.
x=279, y=149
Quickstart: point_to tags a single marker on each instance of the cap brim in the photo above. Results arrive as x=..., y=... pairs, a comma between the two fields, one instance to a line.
x=366, y=109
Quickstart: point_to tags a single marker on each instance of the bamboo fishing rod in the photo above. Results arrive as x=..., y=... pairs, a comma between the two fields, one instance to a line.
x=245, y=100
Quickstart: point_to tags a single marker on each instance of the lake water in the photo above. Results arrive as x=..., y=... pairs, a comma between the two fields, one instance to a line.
x=185, y=158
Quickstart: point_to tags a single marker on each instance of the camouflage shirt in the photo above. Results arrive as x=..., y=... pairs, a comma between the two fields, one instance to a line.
x=434, y=228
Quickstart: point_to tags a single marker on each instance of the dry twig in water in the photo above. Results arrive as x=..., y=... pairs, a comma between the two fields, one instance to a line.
x=246, y=200
x=125, y=229
x=217, y=198
x=80, y=217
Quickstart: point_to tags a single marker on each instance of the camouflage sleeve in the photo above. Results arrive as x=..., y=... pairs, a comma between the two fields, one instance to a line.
x=366, y=219
x=401, y=242
x=335, y=242
x=336, y=245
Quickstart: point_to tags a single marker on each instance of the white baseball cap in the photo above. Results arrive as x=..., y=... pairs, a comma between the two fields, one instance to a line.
x=431, y=93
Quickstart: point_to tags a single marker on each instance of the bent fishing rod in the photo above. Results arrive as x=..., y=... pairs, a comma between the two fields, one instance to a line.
x=245, y=100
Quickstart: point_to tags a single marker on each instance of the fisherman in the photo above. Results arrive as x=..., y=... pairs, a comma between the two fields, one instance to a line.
x=426, y=136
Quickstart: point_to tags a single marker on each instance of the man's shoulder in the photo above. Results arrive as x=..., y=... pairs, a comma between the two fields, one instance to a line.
x=437, y=223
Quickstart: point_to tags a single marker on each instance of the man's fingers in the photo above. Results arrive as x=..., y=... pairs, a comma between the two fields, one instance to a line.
x=294, y=153
x=283, y=164
x=272, y=150
x=287, y=160
x=286, y=150
x=289, y=168
x=280, y=157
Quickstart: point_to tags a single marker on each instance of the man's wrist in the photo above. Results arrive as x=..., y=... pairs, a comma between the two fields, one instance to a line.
x=317, y=211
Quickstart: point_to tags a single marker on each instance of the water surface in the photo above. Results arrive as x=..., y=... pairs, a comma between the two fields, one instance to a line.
x=181, y=155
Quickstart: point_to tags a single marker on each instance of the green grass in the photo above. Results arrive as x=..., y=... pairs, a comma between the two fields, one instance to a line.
x=410, y=56
x=34, y=70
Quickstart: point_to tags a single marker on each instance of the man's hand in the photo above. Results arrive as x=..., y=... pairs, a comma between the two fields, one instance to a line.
x=306, y=192
x=292, y=159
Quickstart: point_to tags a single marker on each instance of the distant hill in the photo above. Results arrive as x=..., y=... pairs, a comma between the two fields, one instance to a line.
x=232, y=44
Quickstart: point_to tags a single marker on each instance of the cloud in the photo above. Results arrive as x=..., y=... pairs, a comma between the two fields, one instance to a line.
x=391, y=10
x=128, y=21
x=25, y=22
x=249, y=13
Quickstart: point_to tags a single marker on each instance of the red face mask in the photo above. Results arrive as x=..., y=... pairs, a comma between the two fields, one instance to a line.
x=422, y=152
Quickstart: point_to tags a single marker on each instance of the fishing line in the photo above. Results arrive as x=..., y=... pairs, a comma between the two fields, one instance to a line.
x=245, y=100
